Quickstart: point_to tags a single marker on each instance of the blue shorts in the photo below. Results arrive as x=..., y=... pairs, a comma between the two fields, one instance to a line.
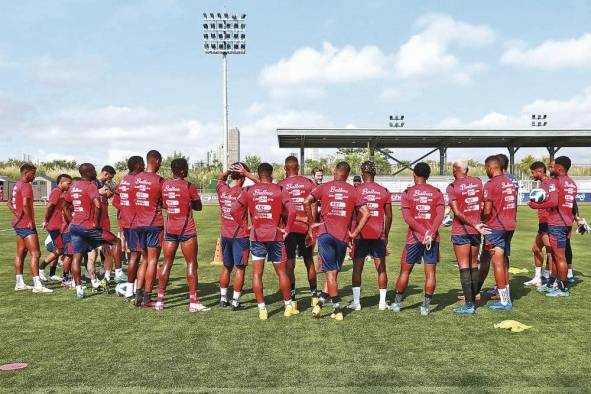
x=331, y=253
x=86, y=239
x=499, y=239
x=178, y=238
x=150, y=237
x=56, y=238
x=272, y=250
x=369, y=247
x=235, y=251
x=68, y=250
x=417, y=252
x=24, y=232
x=559, y=236
x=132, y=239
x=466, y=239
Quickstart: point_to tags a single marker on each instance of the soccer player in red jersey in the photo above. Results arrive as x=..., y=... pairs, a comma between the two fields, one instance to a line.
x=150, y=225
x=124, y=201
x=86, y=231
x=23, y=223
x=423, y=208
x=296, y=242
x=499, y=214
x=560, y=203
x=180, y=198
x=538, y=173
x=235, y=238
x=266, y=201
x=373, y=238
x=465, y=200
x=338, y=199
x=67, y=211
x=53, y=222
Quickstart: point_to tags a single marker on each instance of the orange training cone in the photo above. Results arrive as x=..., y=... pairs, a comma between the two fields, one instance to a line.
x=217, y=258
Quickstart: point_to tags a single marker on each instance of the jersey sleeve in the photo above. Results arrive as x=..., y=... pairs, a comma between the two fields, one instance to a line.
x=451, y=196
x=317, y=192
x=359, y=200
x=68, y=196
x=54, y=197
x=487, y=192
x=193, y=193
x=404, y=203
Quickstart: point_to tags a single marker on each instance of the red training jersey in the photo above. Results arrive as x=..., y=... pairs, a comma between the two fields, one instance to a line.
x=543, y=213
x=178, y=196
x=502, y=193
x=298, y=187
x=104, y=200
x=226, y=197
x=561, y=200
x=124, y=201
x=265, y=203
x=423, y=208
x=21, y=191
x=148, y=199
x=56, y=197
x=338, y=200
x=82, y=195
x=467, y=193
x=375, y=197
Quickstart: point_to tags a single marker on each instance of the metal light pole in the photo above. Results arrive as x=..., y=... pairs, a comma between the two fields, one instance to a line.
x=224, y=34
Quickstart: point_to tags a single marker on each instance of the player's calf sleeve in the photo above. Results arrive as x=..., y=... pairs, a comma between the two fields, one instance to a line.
x=475, y=277
x=336, y=303
x=398, y=297
x=322, y=299
x=43, y=265
x=52, y=270
x=427, y=300
x=466, y=282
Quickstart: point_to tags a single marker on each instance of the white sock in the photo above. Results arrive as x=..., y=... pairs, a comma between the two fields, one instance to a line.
x=546, y=274
x=129, y=290
x=236, y=295
x=79, y=289
x=223, y=293
x=538, y=274
x=287, y=304
x=261, y=306
x=504, y=293
x=356, y=294
x=107, y=276
x=37, y=281
x=383, y=296
x=95, y=283
x=118, y=272
x=570, y=273
x=19, y=280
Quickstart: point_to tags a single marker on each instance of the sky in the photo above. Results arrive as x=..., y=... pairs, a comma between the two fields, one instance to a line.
x=99, y=80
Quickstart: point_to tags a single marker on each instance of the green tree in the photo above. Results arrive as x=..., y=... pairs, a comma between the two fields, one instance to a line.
x=252, y=161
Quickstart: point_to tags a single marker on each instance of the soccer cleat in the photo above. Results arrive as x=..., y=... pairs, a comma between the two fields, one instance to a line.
x=22, y=286
x=558, y=293
x=159, y=306
x=80, y=295
x=263, y=314
x=294, y=308
x=571, y=281
x=465, y=310
x=337, y=316
x=498, y=306
x=462, y=298
x=394, y=307
x=544, y=280
x=314, y=302
x=316, y=311
x=41, y=289
x=235, y=305
x=104, y=285
x=198, y=307
x=122, y=278
x=544, y=289
x=356, y=306
x=224, y=304
x=534, y=282
x=288, y=311
x=424, y=310
x=120, y=289
x=55, y=278
x=149, y=304
x=65, y=283
x=42, y=275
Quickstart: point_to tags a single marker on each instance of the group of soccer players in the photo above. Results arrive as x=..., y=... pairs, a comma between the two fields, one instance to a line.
x=280, y=221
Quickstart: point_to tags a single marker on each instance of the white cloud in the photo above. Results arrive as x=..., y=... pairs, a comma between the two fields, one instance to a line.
x=552, y=54
x=65, y=72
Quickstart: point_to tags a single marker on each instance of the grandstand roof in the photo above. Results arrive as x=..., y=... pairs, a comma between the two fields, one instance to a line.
x=421, y=138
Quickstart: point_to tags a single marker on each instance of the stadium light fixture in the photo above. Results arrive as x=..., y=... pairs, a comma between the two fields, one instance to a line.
x=397, y=121
x=224, y=35
x=539, y=120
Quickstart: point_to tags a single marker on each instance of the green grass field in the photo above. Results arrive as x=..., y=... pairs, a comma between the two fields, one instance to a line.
x=102, y=344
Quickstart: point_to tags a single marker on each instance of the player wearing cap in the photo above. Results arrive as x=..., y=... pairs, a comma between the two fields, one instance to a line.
x=560, y=203
x=465, y=200
x=265, y=203
x=373, y=238
x=23, y=223
x=423, y=208
x=296, y=242
x=53, y=222
x=338, y=199
x=541, y=241
x=180, y=198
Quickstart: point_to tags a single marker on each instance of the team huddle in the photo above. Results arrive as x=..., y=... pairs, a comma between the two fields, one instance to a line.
x=279, y=222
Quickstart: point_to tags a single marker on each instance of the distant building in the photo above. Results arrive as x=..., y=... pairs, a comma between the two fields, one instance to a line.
x=215, y=156
x=234, y=145
x=313, y=154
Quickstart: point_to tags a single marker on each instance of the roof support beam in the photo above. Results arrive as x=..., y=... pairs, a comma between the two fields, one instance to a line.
x=405, y=166
x=512, y=151
x=552, y=151
x=442, y=160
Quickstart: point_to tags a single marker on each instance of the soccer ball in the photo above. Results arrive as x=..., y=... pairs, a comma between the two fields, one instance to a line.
x=448, y=220
x=120, y=289
x=537, y=195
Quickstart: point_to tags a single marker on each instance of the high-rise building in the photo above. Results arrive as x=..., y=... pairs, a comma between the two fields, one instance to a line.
x=234, y=145
x=215, y=156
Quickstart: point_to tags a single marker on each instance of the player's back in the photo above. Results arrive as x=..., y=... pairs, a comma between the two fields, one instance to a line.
x=226, y=197
x=422, y=201
x=56, y=197
x=298, y=187
x=563, y=215
x=375, y=197
x=178, y=196
x=467, y=193
x=125, y=195
x=148, y=199
x=21, y=190
x=337, y=203
x=265, y=205
x=546, y=184
x=502, y=193
x=82, y=194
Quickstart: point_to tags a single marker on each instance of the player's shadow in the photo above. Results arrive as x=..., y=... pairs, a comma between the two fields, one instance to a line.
x=517, y=289
x=443, y=300
x=179, y=295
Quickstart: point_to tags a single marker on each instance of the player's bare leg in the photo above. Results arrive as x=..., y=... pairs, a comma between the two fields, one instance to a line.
x=150, y=275
x=401, y=284
x=224, y=282
x=19, y=263
x=290, y=270
x=189, y=249
x=483, y=268
x=169, y=249
x=132, y=272
x=537, y=251
x=358, y=264
x=312, y=279
x=76, y=262
x=380, y=264
x=32, y=245
x=500, y=271
x=258, y=267
x=430, y=283
x=140, y=278
x=331, y=287
x=468, y=268
x=559, y=276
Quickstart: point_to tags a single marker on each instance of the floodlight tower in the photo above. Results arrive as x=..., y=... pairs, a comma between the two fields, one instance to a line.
x=539, y=120
x=396, y=121
x=224, y=34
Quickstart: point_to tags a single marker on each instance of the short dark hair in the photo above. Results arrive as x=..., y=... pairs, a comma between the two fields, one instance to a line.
x=356, y=178
x=563, y=161
x=134, y=162
x=153, y=155
x=422, y=170
x=109, y=169
x=236, y=175
x=265, y=169
x=343, y=166
x=503, y=161
x=536, y=165
x=84, y=168
x=494, y=158
x=27, y=167
x=291, y=159
x=60, y=176
x=179, y=165
x=316, y=169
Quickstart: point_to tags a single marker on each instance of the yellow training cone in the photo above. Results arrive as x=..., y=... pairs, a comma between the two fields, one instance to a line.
x=514, y=270
x=512, y=325
x=217, y=257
